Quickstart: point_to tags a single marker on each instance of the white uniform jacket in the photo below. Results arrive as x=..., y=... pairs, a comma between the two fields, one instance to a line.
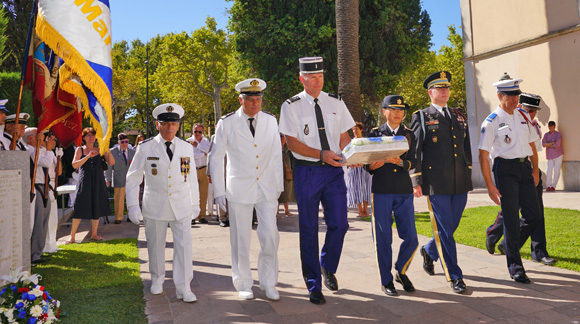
x=171, y=189
x=253, y=162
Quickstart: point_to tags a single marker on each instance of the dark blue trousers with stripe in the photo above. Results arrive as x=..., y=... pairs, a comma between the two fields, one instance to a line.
x=445, y=211
x=313, y=185
x=384, y=206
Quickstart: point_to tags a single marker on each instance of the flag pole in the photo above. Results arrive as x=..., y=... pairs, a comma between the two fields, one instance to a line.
x=23, y=73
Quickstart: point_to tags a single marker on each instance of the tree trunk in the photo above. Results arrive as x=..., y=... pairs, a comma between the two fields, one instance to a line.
x=347, y=18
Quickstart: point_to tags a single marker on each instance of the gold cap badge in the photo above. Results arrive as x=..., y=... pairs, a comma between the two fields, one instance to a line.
x=443, y=74
x=399, y=101
x=169, y=108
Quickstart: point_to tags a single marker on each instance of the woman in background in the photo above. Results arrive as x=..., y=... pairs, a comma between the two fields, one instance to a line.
x=358, y=182
x=92, y=199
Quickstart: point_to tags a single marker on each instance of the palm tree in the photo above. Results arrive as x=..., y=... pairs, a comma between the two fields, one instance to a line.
x=347, y=15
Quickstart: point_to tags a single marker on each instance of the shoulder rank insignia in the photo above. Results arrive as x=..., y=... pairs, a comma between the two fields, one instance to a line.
x=147, y=140
x=293, y=99
x=227, y=115
x=491, y=117
x=269, y=113
x=334, y=95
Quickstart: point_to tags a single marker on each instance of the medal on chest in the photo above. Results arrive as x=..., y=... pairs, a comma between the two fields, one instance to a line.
x=185, y=167
x=306, y=130
x=154, y=169
x=434, y=139
x=507, y=139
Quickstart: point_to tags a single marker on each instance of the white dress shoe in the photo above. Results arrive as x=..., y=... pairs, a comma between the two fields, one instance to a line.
x=188, y=297
x=156, y=290
x=246, y=294
x=271, y=293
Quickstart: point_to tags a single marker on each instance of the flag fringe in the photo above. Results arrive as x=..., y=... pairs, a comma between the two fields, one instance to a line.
x=88, y=76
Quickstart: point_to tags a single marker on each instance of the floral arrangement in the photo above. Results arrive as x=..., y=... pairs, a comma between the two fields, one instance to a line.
x=22, y=300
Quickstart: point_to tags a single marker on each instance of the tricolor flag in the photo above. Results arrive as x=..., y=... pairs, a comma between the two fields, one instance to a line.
x=79, y=32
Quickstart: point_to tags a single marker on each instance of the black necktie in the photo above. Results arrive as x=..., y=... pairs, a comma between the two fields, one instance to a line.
x=252, y=126
x=321, y=129
x=125, y=158
x=446, y=112
x=169, y=152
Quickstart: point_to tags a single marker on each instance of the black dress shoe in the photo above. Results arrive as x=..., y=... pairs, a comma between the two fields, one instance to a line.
x=329, y=280
x=501, y=249
x=118, y=221
x=316, y=297
x=521, y=278
x=427, y=262
x=225, y=223
x=202, y=220
x=458, y=285
x=490, y=245
x=389, y=289
x=546, y=260
x=404, y=280
x=193, y=222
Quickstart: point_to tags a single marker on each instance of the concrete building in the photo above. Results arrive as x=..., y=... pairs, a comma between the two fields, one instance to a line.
x=539, y=42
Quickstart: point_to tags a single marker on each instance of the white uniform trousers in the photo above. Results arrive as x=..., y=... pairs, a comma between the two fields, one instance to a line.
x=240, y=238
x=155, y=233
x=553, y=173
x=50, y=245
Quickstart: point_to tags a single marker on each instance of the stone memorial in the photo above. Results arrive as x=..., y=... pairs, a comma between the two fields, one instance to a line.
x=15, y=228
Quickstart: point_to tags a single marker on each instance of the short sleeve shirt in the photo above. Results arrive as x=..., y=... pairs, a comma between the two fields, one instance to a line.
x=298, y=119
x=507, y=136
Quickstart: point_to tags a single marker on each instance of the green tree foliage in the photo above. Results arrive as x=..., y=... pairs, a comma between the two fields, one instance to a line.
x=18, y=14
x=410, y=84
x=3, y=38
x=270, y=37
x=10, y=89
x=196, y=69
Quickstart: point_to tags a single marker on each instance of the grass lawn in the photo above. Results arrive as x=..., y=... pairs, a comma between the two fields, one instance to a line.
x=96, y=282
x=561, y=232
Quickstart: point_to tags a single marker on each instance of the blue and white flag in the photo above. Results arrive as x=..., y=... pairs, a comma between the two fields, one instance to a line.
x=79, y=31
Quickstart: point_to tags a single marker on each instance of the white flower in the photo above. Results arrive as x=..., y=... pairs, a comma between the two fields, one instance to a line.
x=17, y=275
x=36, y=291
x=9, y=314
x=36, y=311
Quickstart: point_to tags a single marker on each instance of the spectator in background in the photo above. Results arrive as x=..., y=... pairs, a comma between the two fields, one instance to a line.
x=358, y=182
x=140, y=138
x=200, y=149
x=552, y=141
x=288, y=194
x=3, y=112
x=116, y=174
x=92, y=199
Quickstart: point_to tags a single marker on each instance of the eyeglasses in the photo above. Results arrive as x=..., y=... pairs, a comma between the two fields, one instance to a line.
x=198, y=132
x=124, y=142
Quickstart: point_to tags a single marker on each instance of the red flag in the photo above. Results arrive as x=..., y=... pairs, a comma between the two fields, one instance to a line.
x=54, y=108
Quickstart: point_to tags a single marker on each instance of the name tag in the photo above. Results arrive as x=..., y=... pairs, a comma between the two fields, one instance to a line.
x=152, y=158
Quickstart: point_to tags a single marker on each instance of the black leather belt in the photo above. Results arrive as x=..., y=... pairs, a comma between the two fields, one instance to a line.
x=518, y=160
x=307, y=163
x=201, y=167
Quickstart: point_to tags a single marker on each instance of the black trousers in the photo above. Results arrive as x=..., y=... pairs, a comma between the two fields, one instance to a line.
x=538, y=236
x=514, y=180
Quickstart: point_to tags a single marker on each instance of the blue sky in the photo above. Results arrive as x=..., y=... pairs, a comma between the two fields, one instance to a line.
x=146, y=18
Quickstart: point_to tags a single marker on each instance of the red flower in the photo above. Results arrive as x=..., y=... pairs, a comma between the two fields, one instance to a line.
x=44, y=296
x=23, y=290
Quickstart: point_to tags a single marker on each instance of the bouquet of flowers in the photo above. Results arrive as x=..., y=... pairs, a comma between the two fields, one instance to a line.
x=22, y=300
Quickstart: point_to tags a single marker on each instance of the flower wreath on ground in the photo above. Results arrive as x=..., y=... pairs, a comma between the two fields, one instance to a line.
x=22, y=300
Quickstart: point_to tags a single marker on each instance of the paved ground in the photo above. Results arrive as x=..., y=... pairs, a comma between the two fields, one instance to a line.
x=553, y=297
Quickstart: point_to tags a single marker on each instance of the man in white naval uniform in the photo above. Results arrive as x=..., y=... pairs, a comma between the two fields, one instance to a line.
x=170, y=197
x=254, y=180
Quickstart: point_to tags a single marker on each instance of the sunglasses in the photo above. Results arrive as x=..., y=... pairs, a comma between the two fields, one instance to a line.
x=198, y=132
x=124, y=142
